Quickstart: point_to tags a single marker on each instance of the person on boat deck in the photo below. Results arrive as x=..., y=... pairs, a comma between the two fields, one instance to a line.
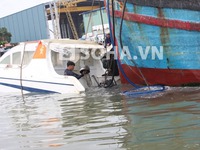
x=107, y=40
x=69, y=70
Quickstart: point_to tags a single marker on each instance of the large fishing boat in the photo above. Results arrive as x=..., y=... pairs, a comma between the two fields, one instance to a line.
x=159, y=40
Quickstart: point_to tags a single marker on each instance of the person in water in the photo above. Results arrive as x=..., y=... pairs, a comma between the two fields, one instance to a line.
x=69, y=70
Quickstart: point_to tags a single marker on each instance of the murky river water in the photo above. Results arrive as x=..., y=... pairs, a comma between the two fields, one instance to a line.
x=102, y=119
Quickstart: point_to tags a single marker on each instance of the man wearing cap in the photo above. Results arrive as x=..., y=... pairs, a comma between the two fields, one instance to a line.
x=69, y=70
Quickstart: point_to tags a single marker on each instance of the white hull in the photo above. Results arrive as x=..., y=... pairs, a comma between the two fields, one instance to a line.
x=40, y=74
x=37, y=77
x=62, y=86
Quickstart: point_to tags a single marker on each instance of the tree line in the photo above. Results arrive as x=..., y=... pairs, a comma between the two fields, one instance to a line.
x=5, y=36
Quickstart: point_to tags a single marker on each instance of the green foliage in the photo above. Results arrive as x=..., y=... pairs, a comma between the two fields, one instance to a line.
x=5, y=36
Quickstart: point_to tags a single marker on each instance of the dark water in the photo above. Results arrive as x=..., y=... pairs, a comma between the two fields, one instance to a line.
x=103, y=119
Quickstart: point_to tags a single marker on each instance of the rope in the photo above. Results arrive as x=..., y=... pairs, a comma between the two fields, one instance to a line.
x=21, y=67
x=113, y=43
x=121, y=44
x=89, y=20
x=138, y=90
x=102, y=21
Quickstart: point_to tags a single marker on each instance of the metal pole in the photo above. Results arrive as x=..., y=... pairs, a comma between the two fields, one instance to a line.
x=52, y=19
x=57, y=20
x=47, y=24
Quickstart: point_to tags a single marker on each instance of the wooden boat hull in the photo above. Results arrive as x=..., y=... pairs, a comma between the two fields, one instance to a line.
x=162, y=40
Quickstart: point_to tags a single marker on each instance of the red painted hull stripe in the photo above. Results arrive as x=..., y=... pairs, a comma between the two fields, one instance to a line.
x=171, y=77
x=191, y=26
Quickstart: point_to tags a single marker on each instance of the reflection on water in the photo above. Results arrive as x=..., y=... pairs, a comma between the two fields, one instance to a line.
x=171, y=121
x=102, y=119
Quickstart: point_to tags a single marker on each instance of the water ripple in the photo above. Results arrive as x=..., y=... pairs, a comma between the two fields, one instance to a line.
x=101, y=119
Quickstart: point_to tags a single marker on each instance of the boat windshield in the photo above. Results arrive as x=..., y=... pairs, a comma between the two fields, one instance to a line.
x=58, y=64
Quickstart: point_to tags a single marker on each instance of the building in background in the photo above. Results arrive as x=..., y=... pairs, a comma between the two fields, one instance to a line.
x=94, y=21
x=26, y=25
x=46, y=21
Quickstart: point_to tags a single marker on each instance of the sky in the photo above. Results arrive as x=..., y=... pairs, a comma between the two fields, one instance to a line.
x=9, y=7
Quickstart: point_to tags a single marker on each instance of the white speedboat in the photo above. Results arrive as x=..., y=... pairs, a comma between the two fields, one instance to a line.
x=39, y=66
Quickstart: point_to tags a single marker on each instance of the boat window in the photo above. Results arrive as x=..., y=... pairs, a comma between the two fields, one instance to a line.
x=58, y=64
x=57, y=59
x=16, y=59
x=28, y=55
x=6, y=60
